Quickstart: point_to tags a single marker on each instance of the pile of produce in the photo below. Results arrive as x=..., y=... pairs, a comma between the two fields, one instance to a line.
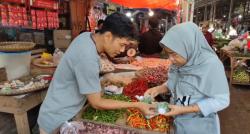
x=107, y=116
x=106, y=83
x=39, y=81
x=152, y=62
x=238, y=54
x=155, y=76
x=241, y=75
x=86, y=127
x=106, y=65
x=136, y=87
x=158, y=123
x=117, y=97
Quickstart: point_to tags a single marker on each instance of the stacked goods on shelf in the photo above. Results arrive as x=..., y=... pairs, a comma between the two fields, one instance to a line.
x=13, y=16
x=41, y=19
x=15, y=1
x=4, y=15
x=49, y=4
x=17, y=16
x=53, y=20
x=241, y=75
x=33, y=18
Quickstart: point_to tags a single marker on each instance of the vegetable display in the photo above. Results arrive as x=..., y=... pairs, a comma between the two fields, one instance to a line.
x=155, y=76
x=136, y=87
x=241, y=75
x=106, y=116
x=137, y=120
x=152, y=62
x=86, y=127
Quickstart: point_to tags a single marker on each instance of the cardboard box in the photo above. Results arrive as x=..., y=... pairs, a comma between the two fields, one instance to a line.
x=39, y=38
x=25, y=36
x=62, y=38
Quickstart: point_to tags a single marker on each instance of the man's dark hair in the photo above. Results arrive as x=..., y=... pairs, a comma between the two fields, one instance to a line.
x=153, y=22
x=100, y=22
x=120, y=26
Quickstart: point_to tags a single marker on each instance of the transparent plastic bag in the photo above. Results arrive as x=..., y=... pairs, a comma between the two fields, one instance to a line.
x=71, y=127
x=58, y=54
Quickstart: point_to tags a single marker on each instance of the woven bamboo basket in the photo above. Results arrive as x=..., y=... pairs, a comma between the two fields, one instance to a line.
x=16, y=46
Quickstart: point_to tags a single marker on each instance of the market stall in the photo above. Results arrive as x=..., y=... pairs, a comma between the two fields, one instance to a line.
x=239, y=70
x=23, y=85
x=19, y=101
x=124, y=86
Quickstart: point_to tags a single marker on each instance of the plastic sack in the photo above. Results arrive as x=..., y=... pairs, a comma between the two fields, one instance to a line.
x=162, y=107
x=71, y=127
x=58, y=54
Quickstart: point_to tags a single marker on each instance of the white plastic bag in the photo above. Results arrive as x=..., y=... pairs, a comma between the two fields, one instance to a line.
x=58, y=54
x=71, y=127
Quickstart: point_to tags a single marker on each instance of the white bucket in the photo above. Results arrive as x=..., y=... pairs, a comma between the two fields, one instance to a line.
x=16, y=64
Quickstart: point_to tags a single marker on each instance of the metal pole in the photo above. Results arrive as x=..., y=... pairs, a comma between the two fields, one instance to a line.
x=214, y=12
x=229, y=15
x=192, y=12
x=205, y=13
x=211, y=11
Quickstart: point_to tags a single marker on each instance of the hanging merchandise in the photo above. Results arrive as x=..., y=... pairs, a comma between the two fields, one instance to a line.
x=53, y=20
x=49, y=4
x=14, y=1
x=163, y=4
x=92, y=20
x=33, y=18
x=13, y=16
x=3, y=10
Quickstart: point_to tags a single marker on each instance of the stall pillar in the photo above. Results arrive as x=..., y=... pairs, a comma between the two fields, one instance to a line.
x=79, y=10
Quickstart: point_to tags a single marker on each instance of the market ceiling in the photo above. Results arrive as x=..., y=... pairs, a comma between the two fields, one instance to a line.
x=163, y=4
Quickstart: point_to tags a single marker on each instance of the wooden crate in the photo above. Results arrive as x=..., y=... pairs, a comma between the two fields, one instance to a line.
x=235, y=62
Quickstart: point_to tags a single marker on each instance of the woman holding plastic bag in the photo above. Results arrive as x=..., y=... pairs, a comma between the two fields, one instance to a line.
x=197, y=81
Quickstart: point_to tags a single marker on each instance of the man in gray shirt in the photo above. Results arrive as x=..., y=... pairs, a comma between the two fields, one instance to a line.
x=76, y=78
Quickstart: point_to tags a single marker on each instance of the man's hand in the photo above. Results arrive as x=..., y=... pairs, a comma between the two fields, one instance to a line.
x=97, y=102
x=153, y=92
x=147, y=109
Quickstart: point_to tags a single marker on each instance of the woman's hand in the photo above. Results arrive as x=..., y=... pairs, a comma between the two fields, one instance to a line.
x=177, y=110
x=147, y=109
x=153, y=92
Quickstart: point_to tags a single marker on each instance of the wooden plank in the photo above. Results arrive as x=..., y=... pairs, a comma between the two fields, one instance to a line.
x=31, y=101
x=22, y=123
x=38, y=51
x=3, y=73
x=11, y=104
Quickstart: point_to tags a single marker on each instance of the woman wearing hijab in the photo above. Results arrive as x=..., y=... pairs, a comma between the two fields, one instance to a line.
x=197, y=81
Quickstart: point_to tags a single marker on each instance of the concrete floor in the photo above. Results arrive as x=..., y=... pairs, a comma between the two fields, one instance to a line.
x=234, y=120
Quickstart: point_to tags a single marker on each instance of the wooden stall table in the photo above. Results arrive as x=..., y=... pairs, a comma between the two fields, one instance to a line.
x=224, y=54
x=235, y=61
x=19, y=105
